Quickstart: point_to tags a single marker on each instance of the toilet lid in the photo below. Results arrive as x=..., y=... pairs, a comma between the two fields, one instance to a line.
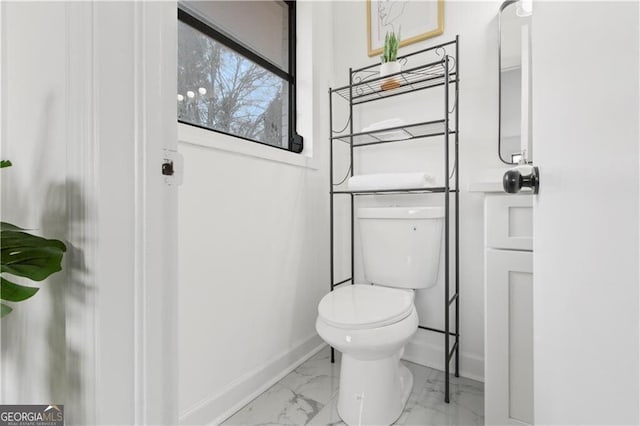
x=365, y=306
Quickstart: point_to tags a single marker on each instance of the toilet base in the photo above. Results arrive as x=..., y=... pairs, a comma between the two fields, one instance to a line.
x=373, y=392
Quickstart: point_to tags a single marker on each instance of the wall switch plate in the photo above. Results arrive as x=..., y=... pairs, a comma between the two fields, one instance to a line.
x=172, y=167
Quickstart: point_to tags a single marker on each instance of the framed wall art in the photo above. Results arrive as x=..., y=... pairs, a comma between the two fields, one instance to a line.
x=415, y=20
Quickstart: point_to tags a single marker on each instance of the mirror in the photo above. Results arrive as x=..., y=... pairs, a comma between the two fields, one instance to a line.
x=514, y=64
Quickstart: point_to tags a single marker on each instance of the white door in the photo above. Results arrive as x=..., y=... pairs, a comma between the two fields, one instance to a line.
x=585, y=132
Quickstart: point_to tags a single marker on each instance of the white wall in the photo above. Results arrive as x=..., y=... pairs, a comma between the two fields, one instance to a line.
x=253, y=246
x=586, y=215
x=476, y=23
x=34, y=137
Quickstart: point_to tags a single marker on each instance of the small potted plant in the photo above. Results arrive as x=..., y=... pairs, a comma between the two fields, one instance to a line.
x=389, y=59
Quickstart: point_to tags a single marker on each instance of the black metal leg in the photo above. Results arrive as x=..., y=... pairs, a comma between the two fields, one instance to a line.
x=331, y=275
x=457, y=217
x=446, y=230
x=352, y=171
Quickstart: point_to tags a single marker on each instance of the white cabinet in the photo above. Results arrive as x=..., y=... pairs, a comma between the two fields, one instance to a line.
x=509, y=222
x=508, y=309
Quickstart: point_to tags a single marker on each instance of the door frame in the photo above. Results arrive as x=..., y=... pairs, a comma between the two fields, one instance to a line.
x=128, y=328
x=153, y=207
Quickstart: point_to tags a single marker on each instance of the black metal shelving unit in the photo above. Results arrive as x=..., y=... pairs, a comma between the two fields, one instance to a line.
x=436, y=66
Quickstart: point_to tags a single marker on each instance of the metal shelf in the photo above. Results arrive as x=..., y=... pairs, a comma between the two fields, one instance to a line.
x=435, y=66
x=425, y=190
x=366, y=89
x=396, y=134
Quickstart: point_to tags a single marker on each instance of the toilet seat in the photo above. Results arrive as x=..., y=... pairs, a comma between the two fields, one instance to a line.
x=363, y=306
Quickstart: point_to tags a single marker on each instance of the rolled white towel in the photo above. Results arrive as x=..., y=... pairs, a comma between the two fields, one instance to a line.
x=385, y=124
x=390, y=181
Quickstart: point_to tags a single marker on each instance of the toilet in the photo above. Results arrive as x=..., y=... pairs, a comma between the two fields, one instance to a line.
x=370, y=323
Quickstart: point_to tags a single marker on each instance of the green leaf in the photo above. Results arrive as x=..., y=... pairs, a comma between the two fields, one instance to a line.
x=17, y=240
x=30, y=256
x=15, y=293
x=33, y=263
x=4, y=310
x=25, y=255
x=5, y=163
x=4, y=226
x=390, y=49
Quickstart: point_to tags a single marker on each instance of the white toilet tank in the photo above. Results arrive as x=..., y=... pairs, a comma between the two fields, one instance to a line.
x=401, y=245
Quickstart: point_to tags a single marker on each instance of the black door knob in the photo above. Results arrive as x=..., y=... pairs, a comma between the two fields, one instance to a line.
x=513, y=181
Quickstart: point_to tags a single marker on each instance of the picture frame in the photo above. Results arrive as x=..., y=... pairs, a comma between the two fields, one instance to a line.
x=415, y=20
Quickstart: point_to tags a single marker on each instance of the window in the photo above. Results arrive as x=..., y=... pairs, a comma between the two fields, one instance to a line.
x=236, y=69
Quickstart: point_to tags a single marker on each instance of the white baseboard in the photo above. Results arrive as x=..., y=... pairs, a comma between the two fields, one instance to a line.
x=217, y=408
x=429, y=355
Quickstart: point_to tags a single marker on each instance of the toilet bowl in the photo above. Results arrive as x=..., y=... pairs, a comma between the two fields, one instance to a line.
x=370, y=324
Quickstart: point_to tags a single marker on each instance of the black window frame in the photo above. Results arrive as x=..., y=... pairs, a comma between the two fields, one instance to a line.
x=295, y=141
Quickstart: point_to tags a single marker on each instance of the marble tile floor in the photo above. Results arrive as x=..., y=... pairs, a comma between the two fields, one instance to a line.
x=308, y=396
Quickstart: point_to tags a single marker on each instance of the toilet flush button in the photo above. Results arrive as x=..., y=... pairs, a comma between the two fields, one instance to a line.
x=348, y=339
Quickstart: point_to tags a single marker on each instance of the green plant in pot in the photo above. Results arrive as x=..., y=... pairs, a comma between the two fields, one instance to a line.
x=24, y=255
x=389, y=59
